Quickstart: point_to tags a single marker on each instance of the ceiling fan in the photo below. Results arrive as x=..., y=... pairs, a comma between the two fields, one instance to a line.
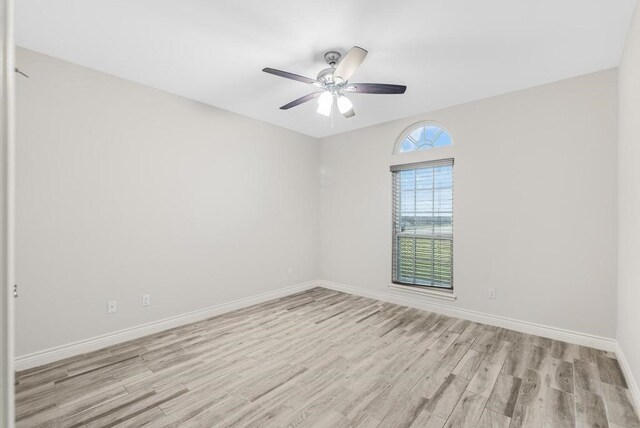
x=333, y=83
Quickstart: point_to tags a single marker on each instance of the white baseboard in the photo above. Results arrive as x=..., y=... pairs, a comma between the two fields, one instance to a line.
x=628, y=375
x=569, y=336
x=92, y=344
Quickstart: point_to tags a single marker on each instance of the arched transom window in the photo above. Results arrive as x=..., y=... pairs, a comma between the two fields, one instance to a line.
x=423, y=137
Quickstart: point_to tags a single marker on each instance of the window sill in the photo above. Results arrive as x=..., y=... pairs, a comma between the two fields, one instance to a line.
x=430, y=292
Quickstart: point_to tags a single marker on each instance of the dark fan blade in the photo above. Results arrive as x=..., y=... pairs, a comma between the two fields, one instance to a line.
x=288, y=75
x=301, y=100
x=350, y=63
x=375, y=88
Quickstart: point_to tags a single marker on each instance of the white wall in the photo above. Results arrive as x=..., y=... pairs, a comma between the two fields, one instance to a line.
x=535, y=203
x=629, y=201
x=125, y=190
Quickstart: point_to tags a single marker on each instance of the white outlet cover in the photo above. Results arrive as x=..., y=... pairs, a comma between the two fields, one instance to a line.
x=492, y=293
x=112, y=306
x=146, y=300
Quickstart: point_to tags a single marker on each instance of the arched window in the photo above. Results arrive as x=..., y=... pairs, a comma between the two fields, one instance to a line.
x=423, y=136
x=422, y=215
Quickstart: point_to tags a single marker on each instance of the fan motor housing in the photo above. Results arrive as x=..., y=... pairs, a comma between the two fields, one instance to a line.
x=326, y=75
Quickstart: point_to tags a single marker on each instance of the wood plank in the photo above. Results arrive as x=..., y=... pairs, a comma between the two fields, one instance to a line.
x=214, y=415
x=485, y=378
x=364, y=420
x=561, y=373
x=586, y=376
x=427, y=420
x=432, y=380
x=131, y=410
x=468, y=364
x=103, y=409
x=405, y=413
x=504, y=396
x=531, y=403
x=590, y=410
x=565, y=351
x=490, y=419
x=447, y=396
x=499, y=352
x=619, y=406
x=444, y=342
x=610, y=371
x=315, y=411
x=468, y=410
x=560, y=411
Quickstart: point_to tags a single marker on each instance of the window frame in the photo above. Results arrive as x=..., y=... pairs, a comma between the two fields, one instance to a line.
x=431, y=290
x=409, y=129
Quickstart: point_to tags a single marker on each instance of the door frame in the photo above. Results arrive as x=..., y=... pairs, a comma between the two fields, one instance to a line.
x=7, y=167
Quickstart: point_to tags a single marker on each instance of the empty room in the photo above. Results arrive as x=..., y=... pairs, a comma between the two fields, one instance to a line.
x=320, y=214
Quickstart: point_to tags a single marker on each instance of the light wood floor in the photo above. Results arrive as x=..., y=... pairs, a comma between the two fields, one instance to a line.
x=329, y=359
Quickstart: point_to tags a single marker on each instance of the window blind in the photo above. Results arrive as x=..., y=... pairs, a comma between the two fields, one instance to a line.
x=423, y=223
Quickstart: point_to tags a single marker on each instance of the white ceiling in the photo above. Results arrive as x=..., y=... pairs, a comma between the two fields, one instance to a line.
x=446, y=51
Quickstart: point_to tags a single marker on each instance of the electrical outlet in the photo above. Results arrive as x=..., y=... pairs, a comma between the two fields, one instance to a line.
x=112, y=306
x=146, y=300
x=290, y=271
x=492, y=293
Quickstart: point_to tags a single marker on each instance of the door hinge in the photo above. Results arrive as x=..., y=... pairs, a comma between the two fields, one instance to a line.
x=15, y=290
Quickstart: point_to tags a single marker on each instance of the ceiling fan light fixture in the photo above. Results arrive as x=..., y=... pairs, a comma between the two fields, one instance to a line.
x=324, y=103
x=344, y=104
x=334, y=80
